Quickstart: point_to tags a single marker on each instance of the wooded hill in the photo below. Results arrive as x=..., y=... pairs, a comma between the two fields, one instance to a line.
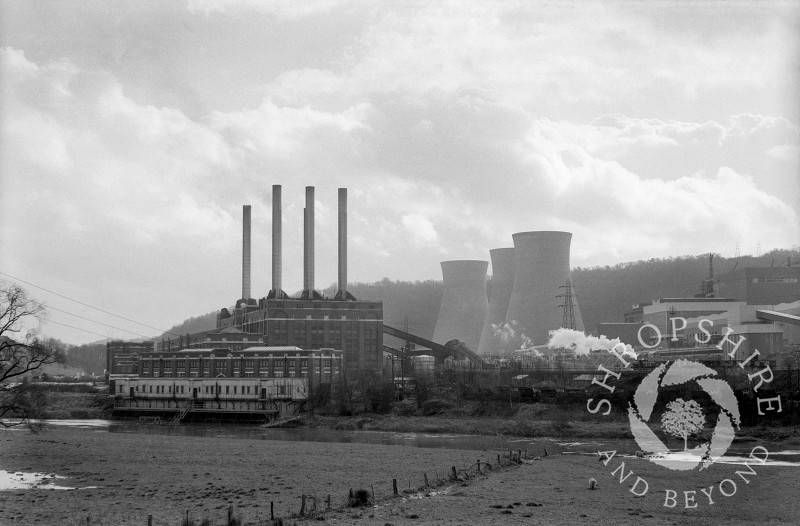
x=603, y=293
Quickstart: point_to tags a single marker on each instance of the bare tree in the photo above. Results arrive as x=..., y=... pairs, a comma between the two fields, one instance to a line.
x=682, y=419
x=21, y=352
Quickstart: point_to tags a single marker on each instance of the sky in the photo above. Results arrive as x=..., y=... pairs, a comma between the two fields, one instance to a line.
x=131, y=134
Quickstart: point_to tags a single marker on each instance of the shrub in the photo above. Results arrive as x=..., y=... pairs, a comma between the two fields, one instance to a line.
x=436, y=406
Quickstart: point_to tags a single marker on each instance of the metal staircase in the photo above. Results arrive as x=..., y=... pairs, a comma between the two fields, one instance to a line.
x=180, y=414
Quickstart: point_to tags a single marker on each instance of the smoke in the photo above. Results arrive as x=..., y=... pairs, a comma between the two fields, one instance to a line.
x=509, y=337
x=582, y=344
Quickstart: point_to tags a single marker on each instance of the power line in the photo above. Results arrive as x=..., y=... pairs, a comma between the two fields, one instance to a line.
x=97, y=322
x=90, y=306
x=41, y=318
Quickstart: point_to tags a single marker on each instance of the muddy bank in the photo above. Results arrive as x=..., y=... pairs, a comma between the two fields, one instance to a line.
x=121, y=478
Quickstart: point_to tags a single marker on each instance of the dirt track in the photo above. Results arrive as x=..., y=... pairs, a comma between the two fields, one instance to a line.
x=137, y=475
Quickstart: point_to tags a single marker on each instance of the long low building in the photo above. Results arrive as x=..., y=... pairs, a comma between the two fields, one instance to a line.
x=215, y=398
x=257, y=383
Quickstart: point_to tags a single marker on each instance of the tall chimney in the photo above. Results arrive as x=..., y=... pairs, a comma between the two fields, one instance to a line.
x=277, y=241
x=246, y=252
x=308, y=244
x=342, y=243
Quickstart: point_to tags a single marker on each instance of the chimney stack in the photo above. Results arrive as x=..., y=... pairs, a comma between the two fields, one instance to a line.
x=342, y=293
x=246, y=252
x=277, y=242
x=308, y=244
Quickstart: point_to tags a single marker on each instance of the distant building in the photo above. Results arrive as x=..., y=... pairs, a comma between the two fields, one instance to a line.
x=761, y=285
x=122, y=358
x=661, y=313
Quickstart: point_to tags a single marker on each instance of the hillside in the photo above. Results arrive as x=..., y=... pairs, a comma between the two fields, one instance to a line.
x=603, y=293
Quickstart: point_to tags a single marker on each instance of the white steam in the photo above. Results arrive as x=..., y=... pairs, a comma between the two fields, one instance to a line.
x=509, y=337
x=583, y=344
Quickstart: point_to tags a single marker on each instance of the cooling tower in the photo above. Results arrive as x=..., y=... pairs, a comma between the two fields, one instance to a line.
x=246, y=252
x=502, y=284
x=541, y=268
x=463, y=303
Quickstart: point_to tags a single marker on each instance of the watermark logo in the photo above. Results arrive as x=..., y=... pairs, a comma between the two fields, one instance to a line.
x=681, y=418
x=677, y=401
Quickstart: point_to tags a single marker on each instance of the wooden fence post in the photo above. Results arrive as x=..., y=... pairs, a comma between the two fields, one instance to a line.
x=394, y=485
x=454, y=473
x=328, y=502
x=303, y=505
x=426, y=479
x=479, y=466
x=272, y=510
x=149, y=520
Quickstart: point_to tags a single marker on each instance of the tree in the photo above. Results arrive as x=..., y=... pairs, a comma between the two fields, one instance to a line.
x=21, y=352
x=682, y=419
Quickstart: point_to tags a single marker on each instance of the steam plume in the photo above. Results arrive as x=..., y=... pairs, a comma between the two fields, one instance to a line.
x=582, y=344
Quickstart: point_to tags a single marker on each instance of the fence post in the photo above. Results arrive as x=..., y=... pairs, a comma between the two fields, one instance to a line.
x=303, y=505
x=149, y=520
x=328, y=502
x=230, y=515
x=498, y=460
x=271, y=510
x=454, y=473
x=394, y=486
x=426, y=479
x=479, y=466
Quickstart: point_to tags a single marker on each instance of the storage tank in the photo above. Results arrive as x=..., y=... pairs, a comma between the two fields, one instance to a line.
x=541, y=269
x=464, y=302
x=424, y=366
x=501, y=285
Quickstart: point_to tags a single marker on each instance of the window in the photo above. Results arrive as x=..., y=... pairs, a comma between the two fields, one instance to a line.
x=227, y=389
x=234, y=389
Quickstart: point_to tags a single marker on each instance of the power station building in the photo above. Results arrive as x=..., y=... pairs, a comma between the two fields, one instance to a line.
x=310, y=321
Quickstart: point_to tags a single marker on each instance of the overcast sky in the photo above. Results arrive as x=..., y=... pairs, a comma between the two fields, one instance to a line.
x=133, y=133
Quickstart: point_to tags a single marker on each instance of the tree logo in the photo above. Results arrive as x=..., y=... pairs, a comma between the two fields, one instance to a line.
x=681, y=418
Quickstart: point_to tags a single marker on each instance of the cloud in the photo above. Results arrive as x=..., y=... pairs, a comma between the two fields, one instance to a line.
x=282, y=9
x=131, y=142
x=420, y=228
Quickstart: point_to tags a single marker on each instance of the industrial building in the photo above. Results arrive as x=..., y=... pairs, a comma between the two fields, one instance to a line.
x=309, y=321
x=760, y=285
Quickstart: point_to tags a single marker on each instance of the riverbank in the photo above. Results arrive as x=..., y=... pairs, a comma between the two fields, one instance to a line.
x=121, y=478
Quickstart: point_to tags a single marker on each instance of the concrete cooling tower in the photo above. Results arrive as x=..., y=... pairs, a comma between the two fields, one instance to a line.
x=463, y=303
x=541, y=268
x=502, y=284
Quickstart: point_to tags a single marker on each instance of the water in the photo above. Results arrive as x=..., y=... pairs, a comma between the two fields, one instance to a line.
x=737, y=454
x=21, y=480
